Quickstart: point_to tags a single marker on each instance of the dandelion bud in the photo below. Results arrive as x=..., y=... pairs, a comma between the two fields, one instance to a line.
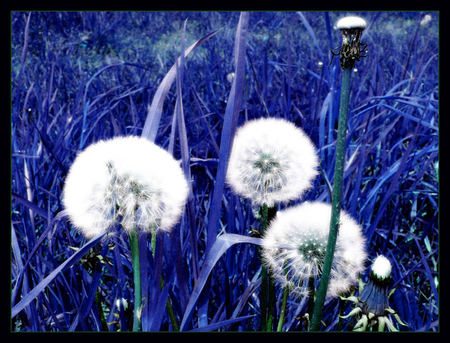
x=375, y=292
x=381, y=267
x=271, y=161
x=373, y=300
x=295, y=245
x=126, y=180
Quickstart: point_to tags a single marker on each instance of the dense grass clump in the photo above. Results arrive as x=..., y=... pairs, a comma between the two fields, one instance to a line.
x=79, y=77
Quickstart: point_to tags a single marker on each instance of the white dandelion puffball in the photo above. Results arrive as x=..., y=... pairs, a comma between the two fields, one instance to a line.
x=382, y=267
x=271, y=161
x=128, y=180
x=351, y=23
x=295, y=244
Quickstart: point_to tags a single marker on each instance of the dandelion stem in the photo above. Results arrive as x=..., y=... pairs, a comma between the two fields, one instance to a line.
x=134, y=246
x=311, y=294
x=271, y=302
x=283, y=306
x=264, y=274
x=267, y=284
x=336, y=200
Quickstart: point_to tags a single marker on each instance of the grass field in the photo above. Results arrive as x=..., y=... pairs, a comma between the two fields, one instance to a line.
x=78, y=77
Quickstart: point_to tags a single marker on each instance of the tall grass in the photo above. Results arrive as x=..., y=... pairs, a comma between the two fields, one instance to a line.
x=78, y=77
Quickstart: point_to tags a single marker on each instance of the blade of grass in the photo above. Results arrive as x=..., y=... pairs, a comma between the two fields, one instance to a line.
x=220, y=246
x=62, y=268
x=229, y=128
x=155, y=111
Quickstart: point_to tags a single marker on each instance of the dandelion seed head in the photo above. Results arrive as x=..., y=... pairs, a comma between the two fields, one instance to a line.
x=271, y=161
x=295, y=246
x=382, y=267
x=351, y=23
x=425, y=20
x=128, y=180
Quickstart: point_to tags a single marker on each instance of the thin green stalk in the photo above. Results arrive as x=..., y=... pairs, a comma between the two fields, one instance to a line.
x=134, y=246
x=101, y=314
x=311, y=293
x=172, y=317
x=283, y=309
x=336, y=200
x=267, y=298
x=271, y=302
x=341, y=314
x=264, y=274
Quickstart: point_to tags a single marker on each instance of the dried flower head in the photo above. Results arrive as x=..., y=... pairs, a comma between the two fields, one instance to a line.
x=373, y=301
x=128, y=180
x=271, y=161
x=295, y=245
x=350, y=51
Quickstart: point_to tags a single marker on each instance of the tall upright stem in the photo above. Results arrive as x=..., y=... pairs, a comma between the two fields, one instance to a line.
x=267, y=298
x=336, y=200
x=134, y=247
x=264, y=274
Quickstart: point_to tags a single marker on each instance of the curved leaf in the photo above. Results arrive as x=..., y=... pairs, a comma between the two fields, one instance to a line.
x=63, y=267
x=154, y=114
x=220, y=246
x=215, y=326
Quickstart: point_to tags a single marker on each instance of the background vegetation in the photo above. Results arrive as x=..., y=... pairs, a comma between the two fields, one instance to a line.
x=81, y=77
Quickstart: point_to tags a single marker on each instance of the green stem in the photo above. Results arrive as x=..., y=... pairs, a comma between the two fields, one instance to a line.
x=100, y=311
x=134, y=246
x=267, y=284
x=264, y=273
x=341, y=313
x=271, y=304
x=172, y=317
x=336, y=200
x=311, y=293
x=283, y=309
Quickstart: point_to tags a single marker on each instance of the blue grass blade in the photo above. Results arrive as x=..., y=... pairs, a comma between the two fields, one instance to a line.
x=154, y=114
x=155, y=282
x=220, y=246
x=229, y=127
x=428, y=273
x=393, y=185
x=410, y=117
x=30, y=205
x=86, y=305
x=185, y=155
x=160, y=306
x=62, y=268
x=41, y=239
x=228, y=130
x=182, y=273
x=218, y=325
x=313, y=36
x=322, y=116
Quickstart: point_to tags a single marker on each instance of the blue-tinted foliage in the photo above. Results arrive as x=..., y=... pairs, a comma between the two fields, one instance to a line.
x=78, y=77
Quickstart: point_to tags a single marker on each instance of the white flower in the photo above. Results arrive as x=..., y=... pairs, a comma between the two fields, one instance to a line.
x=382, y=267
x=425, y=20
x=295, y=243
x=351, y=23
x=271, y=161
x=128, y=179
